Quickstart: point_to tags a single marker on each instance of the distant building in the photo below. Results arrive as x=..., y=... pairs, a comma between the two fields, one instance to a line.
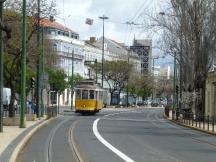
x=113, y=51
x=157, y=71
x=165, y=72
x=143, y=48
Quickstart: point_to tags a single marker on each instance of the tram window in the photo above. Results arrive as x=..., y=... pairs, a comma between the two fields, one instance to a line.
x=91, y=94
x=84, y=94
x=96, y=95
x=100, y=95
x=78, y=94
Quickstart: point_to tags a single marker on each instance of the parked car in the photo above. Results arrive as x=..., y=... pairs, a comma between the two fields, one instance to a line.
x=145, y=102
x=154, y=103
x=140, y=103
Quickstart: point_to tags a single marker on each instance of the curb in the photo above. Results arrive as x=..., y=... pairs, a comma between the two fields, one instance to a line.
x=24, y=141
x=191, y=127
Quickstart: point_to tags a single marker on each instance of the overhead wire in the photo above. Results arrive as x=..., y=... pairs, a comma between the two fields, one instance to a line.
x=136, y=16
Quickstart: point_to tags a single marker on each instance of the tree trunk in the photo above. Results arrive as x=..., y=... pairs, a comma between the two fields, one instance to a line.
x=11, y=105
x=58, y=103
x=111, y=98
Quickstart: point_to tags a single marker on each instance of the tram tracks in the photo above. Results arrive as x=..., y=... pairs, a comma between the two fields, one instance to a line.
x=73, y=144
x=49, y=142
x=71, y=140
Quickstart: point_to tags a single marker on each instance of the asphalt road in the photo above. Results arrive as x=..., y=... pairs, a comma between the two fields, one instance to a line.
x=140, y=135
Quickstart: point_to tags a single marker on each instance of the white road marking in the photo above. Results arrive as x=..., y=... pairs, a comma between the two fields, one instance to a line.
x=122, y=112
x=108, y=145
x=132, y=120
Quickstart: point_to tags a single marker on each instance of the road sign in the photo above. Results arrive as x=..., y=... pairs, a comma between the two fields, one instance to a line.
x=44, y=80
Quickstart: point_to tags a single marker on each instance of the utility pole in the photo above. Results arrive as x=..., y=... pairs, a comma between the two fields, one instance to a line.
x=38, y=63
x=42, y=72
x=153, y=77
x=174, y=83
x=153, y=68
x=127, y=99
x=103, y=18
x=23, y=68
x=72, y=78
x=96, y=71
x=1, y=68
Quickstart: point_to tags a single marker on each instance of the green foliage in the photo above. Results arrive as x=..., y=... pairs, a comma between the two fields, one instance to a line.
x=140, y=85
x=76, y=78
x=57, y=79
x=116, y=74
x=29, y=74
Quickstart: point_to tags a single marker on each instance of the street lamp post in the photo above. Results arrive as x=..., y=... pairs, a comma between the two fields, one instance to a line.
x=103, y=18
x=153, y=65
x=181, y=72
x=127, y=98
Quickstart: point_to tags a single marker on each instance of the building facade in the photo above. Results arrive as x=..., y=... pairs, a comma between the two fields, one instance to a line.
x=65, y=42
x=143, y=48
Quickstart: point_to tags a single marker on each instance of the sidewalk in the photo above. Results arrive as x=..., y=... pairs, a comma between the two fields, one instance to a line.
x=12, y=136
x=196, y=125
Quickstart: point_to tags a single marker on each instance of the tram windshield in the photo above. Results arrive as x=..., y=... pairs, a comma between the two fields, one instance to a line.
x=84, y=94
x=91, y=94
x=78, y=94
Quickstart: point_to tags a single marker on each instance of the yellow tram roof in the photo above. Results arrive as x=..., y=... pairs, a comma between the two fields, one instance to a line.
x=88, y=84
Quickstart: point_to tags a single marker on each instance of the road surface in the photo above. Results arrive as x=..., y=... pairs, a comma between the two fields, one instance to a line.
x=134, y=135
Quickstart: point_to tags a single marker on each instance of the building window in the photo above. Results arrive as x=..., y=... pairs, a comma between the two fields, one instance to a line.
x=55, y=47
x=67, y=34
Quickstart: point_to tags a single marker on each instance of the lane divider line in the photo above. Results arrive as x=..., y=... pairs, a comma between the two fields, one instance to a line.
x=108, y=145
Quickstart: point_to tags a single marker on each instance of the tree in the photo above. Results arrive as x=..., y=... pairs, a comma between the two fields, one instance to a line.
x=57, y=80
x=189, y=32
x=13, y=46
x=116, y=74
x=76, y=78
x=141, y=85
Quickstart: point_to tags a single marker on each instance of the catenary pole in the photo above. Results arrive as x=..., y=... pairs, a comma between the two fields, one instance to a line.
x=72, y=82
x=1, y=70
x=42, y=72
x=38, y=63
x=174, y=84
x=23, y=68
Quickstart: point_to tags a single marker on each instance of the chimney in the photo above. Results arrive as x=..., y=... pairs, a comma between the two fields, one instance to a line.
x=92, y=40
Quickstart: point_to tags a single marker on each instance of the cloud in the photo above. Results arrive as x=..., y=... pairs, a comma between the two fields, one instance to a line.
x=74, y=12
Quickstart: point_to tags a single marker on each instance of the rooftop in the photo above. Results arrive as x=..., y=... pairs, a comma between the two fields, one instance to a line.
x=53, y=24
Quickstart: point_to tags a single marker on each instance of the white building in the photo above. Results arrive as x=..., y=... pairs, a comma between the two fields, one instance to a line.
x=65, y=42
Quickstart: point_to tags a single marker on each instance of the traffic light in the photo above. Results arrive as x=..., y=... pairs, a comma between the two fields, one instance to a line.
x=177, y=89
x=32, y=80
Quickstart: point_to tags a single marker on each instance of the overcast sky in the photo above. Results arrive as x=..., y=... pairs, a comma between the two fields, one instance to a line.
x=73, y=14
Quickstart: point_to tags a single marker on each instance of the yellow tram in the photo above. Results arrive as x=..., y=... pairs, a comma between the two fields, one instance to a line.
x=90, y=98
